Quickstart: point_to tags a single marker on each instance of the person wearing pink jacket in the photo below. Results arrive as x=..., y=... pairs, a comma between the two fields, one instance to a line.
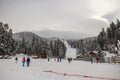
x=23, y=61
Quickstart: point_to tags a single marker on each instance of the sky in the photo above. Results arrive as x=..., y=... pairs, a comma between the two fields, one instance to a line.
x=87, y=16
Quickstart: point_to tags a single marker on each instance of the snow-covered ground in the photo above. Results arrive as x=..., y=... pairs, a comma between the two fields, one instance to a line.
x=70, y=52
x=9, y=70
x=108, y=54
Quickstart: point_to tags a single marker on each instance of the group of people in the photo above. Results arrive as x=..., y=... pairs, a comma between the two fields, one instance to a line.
x=91, y=59
x=58, y=59
x=24, y=60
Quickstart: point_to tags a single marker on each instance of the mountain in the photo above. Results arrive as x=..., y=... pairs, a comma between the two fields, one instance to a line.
x=67, y=35
x=90, y=38
x=27, y=35
x=51, y=35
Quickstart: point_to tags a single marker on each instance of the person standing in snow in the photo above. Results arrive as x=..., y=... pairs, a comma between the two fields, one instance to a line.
x=28, y=61
x=91, y=59
x=48, y=59
x=97, y=59
x=23, y=61
x=69, y=60
x=16, y=60
x=60, y=59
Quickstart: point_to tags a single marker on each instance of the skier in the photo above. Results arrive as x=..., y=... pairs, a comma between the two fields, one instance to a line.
x=28, y=61
x=23, y=61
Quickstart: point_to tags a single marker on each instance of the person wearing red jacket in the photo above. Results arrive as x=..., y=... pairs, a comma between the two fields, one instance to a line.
x=23, y=61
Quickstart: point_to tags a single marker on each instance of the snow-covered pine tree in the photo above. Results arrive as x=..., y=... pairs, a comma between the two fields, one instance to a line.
x=7, y=43
x=112, y=36
x=102, y=39
x=58, y=48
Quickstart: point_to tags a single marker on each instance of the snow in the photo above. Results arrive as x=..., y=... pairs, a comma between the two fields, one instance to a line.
x=21, y=55
x=9, y=70
x=108, y=54
x=71, y=52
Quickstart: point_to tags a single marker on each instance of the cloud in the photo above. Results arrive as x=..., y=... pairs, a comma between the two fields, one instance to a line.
x=113, y=16
x=101, y=19
x=87, y=16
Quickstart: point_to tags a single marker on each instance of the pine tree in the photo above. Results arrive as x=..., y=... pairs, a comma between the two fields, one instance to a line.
x=102, y=39
x=112, y=37
x=7, y=44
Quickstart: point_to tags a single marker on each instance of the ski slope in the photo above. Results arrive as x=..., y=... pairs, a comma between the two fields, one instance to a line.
x=70, y=52
x=9, y=70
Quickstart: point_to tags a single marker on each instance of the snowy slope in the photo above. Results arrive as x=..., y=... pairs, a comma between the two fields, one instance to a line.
x=9, y=70
x=70, y=52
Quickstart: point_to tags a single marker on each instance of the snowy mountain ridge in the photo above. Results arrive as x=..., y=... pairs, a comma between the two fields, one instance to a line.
x=62, y=34
x=27, y=35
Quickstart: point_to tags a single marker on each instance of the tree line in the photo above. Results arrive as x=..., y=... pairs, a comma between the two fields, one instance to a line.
x=35, y=46
x=106, y=40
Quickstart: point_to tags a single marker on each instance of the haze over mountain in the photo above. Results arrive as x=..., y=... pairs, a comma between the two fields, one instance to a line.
x=47, y=33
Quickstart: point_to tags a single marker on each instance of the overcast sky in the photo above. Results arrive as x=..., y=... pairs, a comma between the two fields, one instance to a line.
x=87, y=16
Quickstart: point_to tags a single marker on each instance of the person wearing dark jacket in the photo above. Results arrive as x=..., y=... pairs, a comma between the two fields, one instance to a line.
x=28, y=61
x=16, y=60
